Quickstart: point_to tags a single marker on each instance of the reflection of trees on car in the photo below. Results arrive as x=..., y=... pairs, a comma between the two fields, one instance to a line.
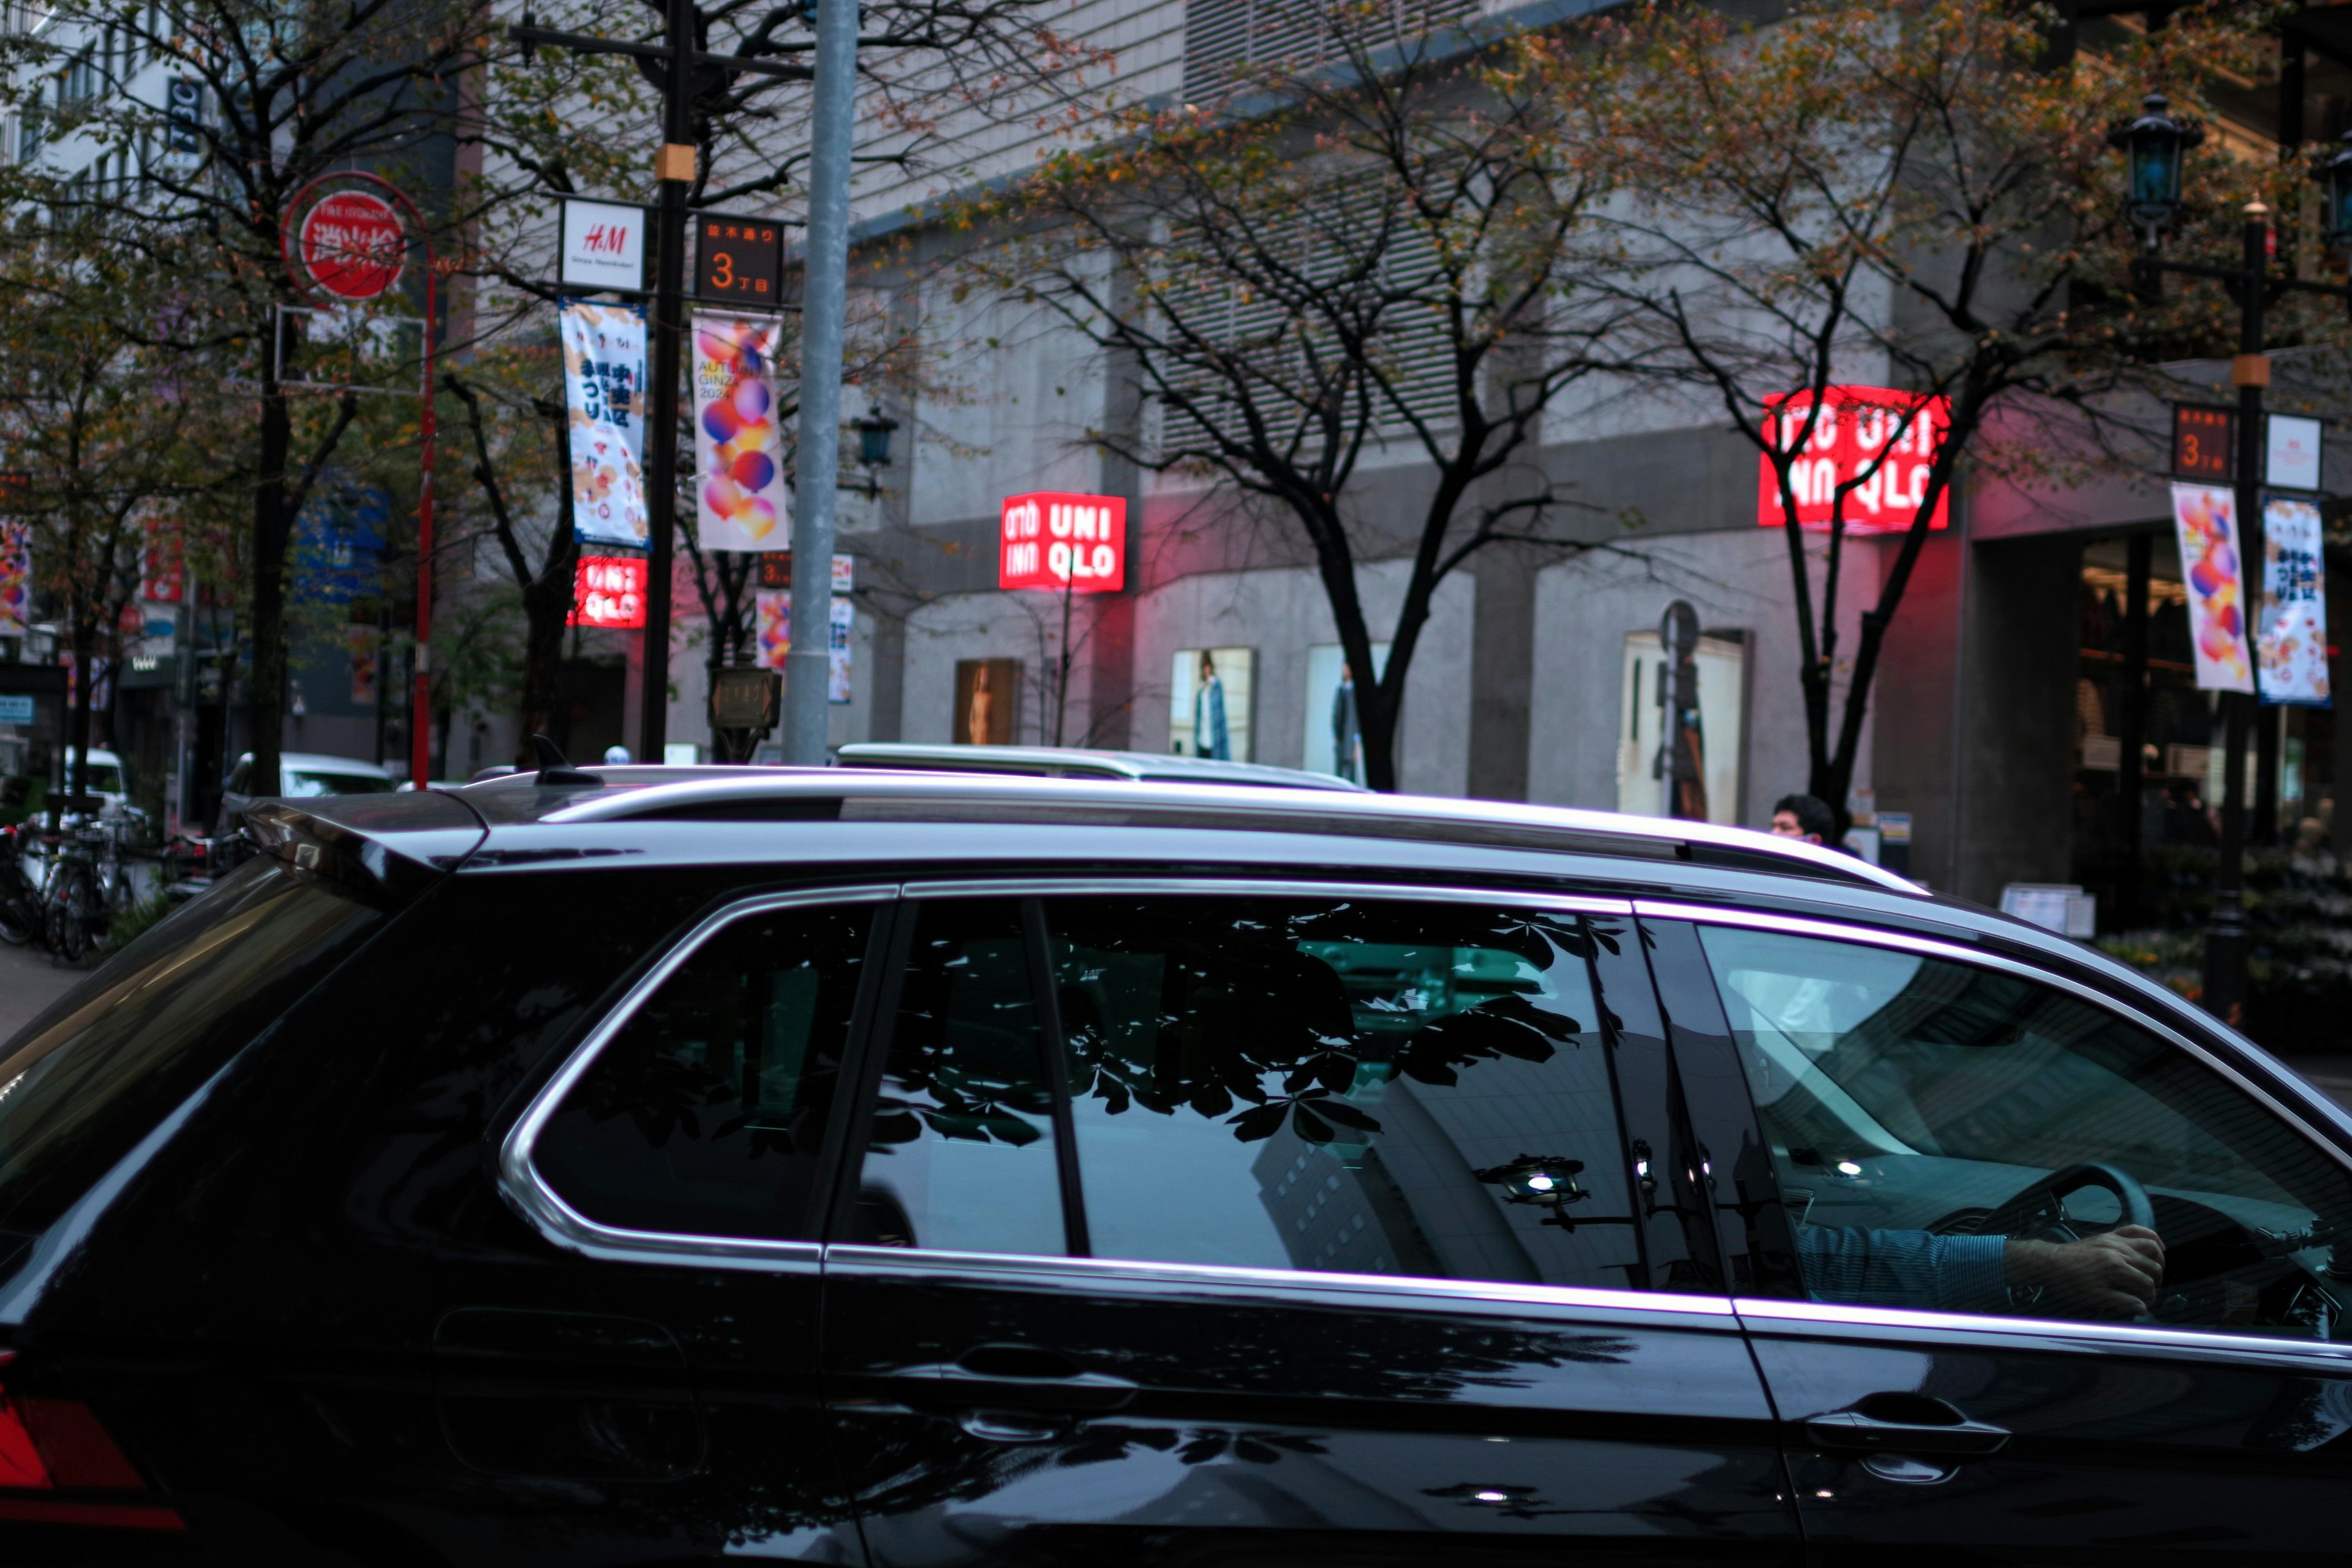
x=1239, y=1013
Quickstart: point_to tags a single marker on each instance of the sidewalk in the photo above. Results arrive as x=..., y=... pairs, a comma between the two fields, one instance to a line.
x=28, y=982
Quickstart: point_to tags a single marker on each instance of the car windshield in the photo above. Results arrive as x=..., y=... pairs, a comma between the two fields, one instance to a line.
x=82, y=1083
x=99, y=778
x=304, y=781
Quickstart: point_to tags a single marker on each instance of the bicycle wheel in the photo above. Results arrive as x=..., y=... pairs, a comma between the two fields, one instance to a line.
x=69, y=926
x=20, y=918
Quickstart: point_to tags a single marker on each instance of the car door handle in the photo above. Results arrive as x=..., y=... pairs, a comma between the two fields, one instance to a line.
x=1927, y=1426
x=1012, y=1377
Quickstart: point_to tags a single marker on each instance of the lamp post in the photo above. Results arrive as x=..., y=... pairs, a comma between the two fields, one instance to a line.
x=677, y=65
x=2155, y=146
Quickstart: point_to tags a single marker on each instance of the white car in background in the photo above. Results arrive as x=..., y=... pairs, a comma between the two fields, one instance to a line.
x=302, y=775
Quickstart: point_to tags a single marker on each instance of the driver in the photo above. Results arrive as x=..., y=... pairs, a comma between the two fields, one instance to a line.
x=2112, y=1275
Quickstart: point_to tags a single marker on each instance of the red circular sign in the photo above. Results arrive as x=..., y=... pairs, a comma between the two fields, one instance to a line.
x=353, y=246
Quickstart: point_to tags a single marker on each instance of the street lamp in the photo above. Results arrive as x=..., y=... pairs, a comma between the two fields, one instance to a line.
x=2334, y=176
x=874, y=440
x=2154, y=147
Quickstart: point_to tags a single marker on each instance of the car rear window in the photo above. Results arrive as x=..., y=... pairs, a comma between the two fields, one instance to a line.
x=82, y=1083
x=307, y=783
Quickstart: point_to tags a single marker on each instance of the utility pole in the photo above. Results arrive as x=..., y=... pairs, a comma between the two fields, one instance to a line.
x=808, y=664
x=677, y=56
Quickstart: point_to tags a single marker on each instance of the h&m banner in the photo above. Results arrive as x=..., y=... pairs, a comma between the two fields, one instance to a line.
x=2205, y=517
x=604, y=390
x=740, y=502
x=2290, y=629
x=775, y=610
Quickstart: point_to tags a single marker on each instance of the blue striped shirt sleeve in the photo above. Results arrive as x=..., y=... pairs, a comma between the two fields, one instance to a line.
x=1901, y=1269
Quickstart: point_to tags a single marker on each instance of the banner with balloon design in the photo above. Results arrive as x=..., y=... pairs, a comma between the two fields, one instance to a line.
x=740, y=502
x=2206, y=518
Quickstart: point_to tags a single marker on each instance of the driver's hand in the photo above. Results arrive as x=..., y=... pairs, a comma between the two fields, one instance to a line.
x=2113, y=1275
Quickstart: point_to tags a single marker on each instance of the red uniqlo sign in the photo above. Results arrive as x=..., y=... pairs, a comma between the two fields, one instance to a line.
x=610, y=590
x=1860, y=426
x=353, y=244
x=1053, y=541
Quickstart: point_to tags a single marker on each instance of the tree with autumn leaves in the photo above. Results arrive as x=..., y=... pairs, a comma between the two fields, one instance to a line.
x=1419, y=243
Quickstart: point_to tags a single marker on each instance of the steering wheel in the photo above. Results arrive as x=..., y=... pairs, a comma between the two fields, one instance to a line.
x=2039, y=1214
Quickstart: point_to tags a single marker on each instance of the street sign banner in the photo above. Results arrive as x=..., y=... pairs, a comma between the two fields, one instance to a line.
x=604, y=389
x=1873, y=445
x=2204, y=442
x=2291, y=626
x=609, y=591
x=2292, y=453
x=741, y=502
x=15, y=578
x=2206, y=518
x=603, y=245
x=774, y=611
x=353, y=246
x=1051, y=540
x=741, y=258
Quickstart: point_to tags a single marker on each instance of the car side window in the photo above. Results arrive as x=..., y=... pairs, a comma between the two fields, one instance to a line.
x=705, y=1113
x=1960, y=1137
x=1339, y=1084
x=960, y=1157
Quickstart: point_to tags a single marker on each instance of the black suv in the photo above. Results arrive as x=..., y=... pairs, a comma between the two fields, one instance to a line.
x=654, y=1166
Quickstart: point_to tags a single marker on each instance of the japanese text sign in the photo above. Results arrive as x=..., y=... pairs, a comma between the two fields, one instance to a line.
x=604, y=386
x=2204, y=441
x=609, y=591
x=1050, y=539
x=742, y=258
x=1878, y=445
x=2290, y=629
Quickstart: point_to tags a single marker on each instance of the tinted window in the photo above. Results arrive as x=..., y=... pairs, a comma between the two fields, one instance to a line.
x=1360, y=1088
x=962, y=1157
x=705, y=1114
x=308, y=783
x=92, y=1076
x=1914, y=1107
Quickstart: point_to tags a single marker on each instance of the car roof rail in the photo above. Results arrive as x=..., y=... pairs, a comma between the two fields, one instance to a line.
x=878, y=794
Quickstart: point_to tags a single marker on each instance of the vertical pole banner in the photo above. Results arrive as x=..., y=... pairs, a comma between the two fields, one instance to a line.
x=16, y=579
x=2205, y=518
x=2291, y=624
x=604, y=389
x=775, y=609
x=740, y=502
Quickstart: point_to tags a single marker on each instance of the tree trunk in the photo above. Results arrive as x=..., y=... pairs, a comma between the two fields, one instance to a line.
x=85, y=646
x=272, y=531
x=546, y=605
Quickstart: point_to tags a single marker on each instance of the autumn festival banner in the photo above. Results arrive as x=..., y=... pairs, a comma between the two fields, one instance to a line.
x=739, y=446
x=604, y=389
x=2291, y=631
x=2205, y=517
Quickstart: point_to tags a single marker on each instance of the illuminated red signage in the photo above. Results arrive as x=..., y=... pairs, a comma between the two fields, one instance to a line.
x=1881, y=443
x=610, y=590
x=1050, y=539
